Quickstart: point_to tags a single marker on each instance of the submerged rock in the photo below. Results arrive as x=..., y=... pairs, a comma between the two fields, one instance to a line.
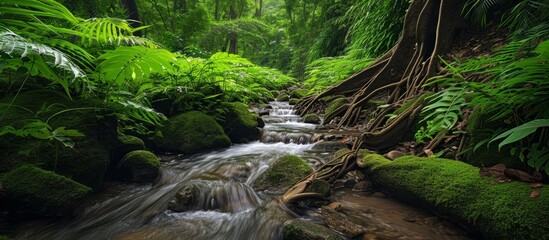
x=184, y=199
x=192, y=132
x=283, y=174
x=139, y=166
x=43, y=192
x=299, y=229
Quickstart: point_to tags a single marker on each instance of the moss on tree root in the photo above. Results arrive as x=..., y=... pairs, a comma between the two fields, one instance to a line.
x=455, y=189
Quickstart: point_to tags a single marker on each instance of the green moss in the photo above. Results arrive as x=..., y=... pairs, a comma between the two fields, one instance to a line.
x=497, y=210
x=141, y=158
x=139, y=165
x=282, y=97
x=299, y=93
x=284, y=173
x=311, y=118
x=240, y=123
x=293, y=101
x=319, y=186
x=43, y=191
x=334, y=105
x=192, y=132
x=126, y=144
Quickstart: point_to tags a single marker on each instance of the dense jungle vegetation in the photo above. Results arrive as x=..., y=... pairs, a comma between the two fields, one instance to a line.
x=466, y=80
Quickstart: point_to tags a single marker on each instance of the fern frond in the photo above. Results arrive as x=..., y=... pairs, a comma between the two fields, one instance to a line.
x=110, y=31
x=134, y=63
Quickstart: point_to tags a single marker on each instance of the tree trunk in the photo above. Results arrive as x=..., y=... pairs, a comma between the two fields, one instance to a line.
x=216, y=11
x=130, y=6
x=233, y=38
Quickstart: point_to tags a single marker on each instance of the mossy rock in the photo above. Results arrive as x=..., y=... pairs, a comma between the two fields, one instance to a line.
x=282, y=97
x=139, y=166
x=241, y=124
x=283, y=174
x=319, y=186
x=311, y=118
x=293, y=101
x=479, y=128
x=454, y=189
x=42, y=192
x=4, y=238
x=335, y=104
x=299, y=229
x=192, y=132
x=126, y=144
x=299, y=93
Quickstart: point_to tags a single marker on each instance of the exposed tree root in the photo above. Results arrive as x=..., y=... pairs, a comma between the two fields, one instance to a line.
x=428, y=30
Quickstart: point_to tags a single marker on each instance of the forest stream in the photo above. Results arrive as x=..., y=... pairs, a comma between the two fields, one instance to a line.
x=228, y=207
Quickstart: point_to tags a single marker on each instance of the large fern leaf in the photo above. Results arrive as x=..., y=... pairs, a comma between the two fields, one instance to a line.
x=134, y=63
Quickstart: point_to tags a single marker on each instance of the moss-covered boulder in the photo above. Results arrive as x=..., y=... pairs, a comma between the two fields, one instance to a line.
x=293, y=101
x=283, y=174
x=299, y=229
x=139, y=166
x=126, y=144
x=299, y=93
x=241, y=124
x=282, y=97
x=191, y=132
x=311, y=118
x=334, y=105
x=43, y=192
x=454, y=189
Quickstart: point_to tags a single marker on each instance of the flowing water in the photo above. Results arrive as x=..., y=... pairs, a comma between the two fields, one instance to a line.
x=226, y=207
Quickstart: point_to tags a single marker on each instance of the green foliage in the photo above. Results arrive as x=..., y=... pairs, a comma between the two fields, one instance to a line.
x=517, y=15
x=375, y=26
x=443, y=110
x=514, y=91
x=326, y=72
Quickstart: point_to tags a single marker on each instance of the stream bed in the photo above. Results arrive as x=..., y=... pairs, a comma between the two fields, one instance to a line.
x=228, y=207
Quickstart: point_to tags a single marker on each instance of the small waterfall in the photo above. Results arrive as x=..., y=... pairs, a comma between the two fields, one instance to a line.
x=285, y=126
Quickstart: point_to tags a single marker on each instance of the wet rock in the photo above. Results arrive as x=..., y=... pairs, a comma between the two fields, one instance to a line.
x=263, y=112
x=379, y=194
x=139, y=166
x=283, y=174
x=392, y=155
x=299, y=229
x=349, y=183
x=298, y=93
x=317, y=137
x=362, y=186
x=339, y=222
x=311, y=118
x=184, y=199
x=335, y=206
x=329, y=146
